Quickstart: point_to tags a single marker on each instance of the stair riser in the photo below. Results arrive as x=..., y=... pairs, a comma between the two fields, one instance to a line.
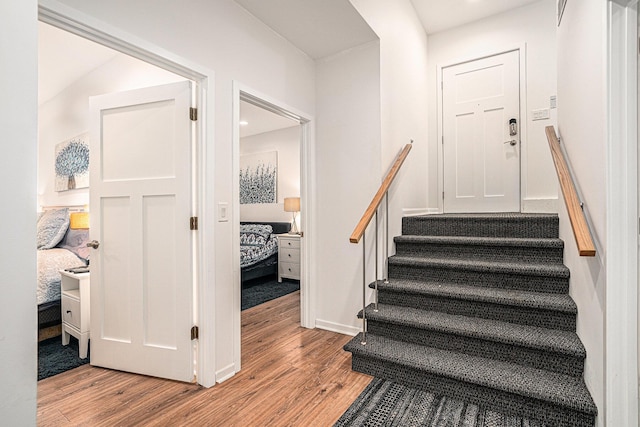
x=482, y=253
x=545, y=228
x=473, y=278
x=535, y=358
x=521, y=315
x=498, y=400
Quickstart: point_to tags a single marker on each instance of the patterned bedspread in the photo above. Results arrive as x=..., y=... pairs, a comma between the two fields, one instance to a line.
x=50, y=261
x=256, y=243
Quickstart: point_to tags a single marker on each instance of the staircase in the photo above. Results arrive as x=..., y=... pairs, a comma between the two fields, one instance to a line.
x=477, y=308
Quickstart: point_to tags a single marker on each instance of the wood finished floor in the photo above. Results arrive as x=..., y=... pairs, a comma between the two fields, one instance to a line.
x=290, y=377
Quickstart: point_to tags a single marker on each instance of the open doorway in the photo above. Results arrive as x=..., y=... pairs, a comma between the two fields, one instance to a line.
x=65, y=88
x=283, y=141
x=269, y=194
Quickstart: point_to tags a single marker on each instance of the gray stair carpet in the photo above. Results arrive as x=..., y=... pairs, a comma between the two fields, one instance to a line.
x=476, y=308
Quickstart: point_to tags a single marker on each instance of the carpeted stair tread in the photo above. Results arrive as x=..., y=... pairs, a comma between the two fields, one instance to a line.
x=483, y=224
x=538, y=300
x=561, y=390
x=482, y=241
x=519, y=268
x=554, y=340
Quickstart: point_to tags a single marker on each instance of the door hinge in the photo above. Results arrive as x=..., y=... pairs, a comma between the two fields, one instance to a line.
x=443, y=195
x=194, y=332
x=193, y=114
x=193, y=222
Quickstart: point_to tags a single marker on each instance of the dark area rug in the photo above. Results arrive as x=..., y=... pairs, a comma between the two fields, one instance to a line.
x=263, y=289
x=55, y=358
x=385, y=403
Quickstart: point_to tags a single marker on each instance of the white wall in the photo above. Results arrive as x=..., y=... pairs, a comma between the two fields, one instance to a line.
x=348, y=165
x=535, y=26
x=582, y=112
x=287, y=143
x=66, y=115
x=403, y=100
x=221, y=36
x=18, y=115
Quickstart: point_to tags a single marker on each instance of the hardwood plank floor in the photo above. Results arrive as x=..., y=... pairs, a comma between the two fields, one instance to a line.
x=290, y=376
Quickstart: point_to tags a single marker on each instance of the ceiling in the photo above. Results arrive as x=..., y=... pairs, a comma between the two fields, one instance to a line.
x=260, y=120
x=319, y=28
x=439, y=15
x=322, y=28
x=63, y=58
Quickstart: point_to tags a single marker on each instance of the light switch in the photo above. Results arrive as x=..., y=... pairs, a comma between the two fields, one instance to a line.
x=223, y=212
x=541, y=114
x=553, y=102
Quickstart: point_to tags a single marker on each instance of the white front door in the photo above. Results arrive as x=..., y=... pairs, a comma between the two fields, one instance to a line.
x=481, y=151
x=141, y=273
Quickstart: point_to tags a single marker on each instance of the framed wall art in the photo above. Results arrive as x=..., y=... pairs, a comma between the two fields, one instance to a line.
x=72, y=163
x=258, y=178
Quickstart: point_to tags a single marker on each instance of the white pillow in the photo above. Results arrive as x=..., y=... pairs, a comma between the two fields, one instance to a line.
x=52, y=226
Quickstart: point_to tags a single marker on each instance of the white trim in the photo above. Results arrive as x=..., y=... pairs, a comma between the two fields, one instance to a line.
x=418, y=211
x=307, y=186
x=522, y=54
x=621, y=310
x=337, y=327
x=225, y=373
x=75, y=22
x=540, y=205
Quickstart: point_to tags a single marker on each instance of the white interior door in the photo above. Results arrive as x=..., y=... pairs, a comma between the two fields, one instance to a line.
x=481, y=152
x=141, y=274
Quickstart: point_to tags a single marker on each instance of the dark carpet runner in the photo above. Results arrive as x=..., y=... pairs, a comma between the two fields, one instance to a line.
x=477, y=309
x=385, y=403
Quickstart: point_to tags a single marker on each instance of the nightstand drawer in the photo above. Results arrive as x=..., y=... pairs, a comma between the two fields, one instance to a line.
x=290, y=270
x=71, y=311
x=289, y=255
x=289, y=243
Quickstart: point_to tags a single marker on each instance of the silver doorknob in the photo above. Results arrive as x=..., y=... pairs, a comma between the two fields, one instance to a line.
x=512, y=142
x=93, y=244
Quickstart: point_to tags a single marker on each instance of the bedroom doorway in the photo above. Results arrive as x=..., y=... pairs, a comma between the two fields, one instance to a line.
x=272, y=218
x=154, y=59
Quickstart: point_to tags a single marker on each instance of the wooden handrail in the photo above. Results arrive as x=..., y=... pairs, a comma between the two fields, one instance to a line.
x=377, y=199
x=576, y=215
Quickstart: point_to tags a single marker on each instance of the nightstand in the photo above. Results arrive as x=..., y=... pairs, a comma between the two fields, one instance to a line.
x=288, y=256
x=76, y=300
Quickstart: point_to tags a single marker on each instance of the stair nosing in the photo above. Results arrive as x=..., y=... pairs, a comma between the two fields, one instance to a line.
x=528, y=242
x=536, y=383
x=483, y=329
x=504, y=297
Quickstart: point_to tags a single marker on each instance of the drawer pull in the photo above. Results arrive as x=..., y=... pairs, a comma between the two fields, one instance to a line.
x=68, y=311
x=289, y=255
x=289, y=269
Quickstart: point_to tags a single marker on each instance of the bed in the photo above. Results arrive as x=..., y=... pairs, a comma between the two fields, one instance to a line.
x=259, y=248
x=59, y=246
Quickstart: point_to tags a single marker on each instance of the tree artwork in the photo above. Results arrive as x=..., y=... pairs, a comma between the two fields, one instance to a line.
x=72, y=164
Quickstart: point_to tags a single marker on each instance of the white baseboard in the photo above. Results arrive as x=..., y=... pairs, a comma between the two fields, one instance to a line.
x=540, y=205
x=225, y=373
x=419, y=211
x=336, y=327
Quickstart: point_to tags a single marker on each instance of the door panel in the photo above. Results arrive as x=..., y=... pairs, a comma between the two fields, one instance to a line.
x=481, y=171
x=141, y=274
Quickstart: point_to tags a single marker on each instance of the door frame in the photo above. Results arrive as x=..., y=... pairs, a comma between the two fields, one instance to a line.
x=242, y=92
x=75, y=22
x=621, y=309
x=522, y=53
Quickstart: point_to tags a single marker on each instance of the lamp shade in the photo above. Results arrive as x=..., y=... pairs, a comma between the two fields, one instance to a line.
x=79, y=220
x=292, y=204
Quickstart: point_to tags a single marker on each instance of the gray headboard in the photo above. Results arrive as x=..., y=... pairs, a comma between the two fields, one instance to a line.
x=278, y=227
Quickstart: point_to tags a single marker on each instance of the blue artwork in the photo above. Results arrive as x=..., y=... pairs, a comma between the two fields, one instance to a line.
x=72, y=164
x=258, y=178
